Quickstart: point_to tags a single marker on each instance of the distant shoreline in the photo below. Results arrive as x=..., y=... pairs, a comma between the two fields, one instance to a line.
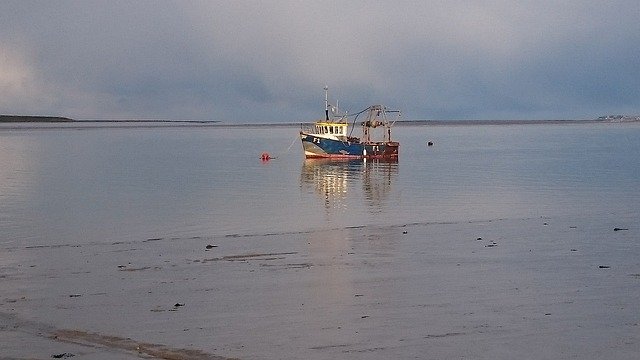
x=69, y=121
x=61, y=119
x=29, y=118
x=447, y=123
x=510, y=122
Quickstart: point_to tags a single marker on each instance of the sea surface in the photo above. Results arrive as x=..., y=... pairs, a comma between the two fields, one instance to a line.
x=497, y=242
x=76, y=185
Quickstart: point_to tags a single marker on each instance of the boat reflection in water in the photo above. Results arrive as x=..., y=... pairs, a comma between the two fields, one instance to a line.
x=343, y=184
x=352, y=193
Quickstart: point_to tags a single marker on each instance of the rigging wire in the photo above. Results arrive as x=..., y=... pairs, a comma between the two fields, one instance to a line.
x=286, y=151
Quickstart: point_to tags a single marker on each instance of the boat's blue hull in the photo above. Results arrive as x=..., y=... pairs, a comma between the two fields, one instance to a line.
x=320, y=147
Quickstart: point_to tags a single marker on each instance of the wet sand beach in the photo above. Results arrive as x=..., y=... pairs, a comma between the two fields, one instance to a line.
x=525, y=288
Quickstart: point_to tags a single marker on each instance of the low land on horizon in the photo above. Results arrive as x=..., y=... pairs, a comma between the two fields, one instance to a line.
x=517, y=122
x=56, y=119
x=61, y=119
x=29, y=118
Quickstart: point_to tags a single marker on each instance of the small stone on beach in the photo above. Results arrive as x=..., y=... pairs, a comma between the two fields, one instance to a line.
x=62, y=356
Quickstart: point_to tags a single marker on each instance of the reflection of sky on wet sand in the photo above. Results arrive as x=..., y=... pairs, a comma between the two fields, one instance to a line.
x=346, y=281
x=330, y=283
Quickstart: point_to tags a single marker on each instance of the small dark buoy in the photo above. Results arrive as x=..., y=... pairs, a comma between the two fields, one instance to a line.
x=210, y=246
x=478, y=239
x=604, y=266
x=404, y=232
x=430, y=143
x=619, y=229
x=265, y=156
x=178, y=304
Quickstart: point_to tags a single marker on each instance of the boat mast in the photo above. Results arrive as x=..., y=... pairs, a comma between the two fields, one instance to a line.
x=326, y=102
x=387, y=127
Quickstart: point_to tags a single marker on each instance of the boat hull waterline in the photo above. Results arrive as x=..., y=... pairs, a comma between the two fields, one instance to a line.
x=319, y=147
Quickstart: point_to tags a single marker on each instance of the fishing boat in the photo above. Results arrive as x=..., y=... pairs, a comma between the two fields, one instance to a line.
x=332, y=137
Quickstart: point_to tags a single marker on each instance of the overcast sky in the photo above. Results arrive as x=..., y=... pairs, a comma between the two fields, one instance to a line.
x=268, y=61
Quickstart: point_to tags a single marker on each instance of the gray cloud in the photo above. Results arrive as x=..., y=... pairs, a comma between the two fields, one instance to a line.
x=256, y=61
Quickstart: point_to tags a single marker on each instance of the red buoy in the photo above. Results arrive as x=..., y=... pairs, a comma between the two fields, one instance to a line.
x=265, y=156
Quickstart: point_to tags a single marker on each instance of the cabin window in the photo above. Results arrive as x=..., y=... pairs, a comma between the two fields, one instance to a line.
x=331, y=129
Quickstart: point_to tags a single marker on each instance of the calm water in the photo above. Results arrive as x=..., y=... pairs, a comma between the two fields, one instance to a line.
x=61, y=186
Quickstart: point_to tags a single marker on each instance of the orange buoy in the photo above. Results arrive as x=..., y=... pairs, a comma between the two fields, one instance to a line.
x=265, y=156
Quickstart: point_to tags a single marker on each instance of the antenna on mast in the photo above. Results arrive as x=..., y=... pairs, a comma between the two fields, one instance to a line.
x=326, y=102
